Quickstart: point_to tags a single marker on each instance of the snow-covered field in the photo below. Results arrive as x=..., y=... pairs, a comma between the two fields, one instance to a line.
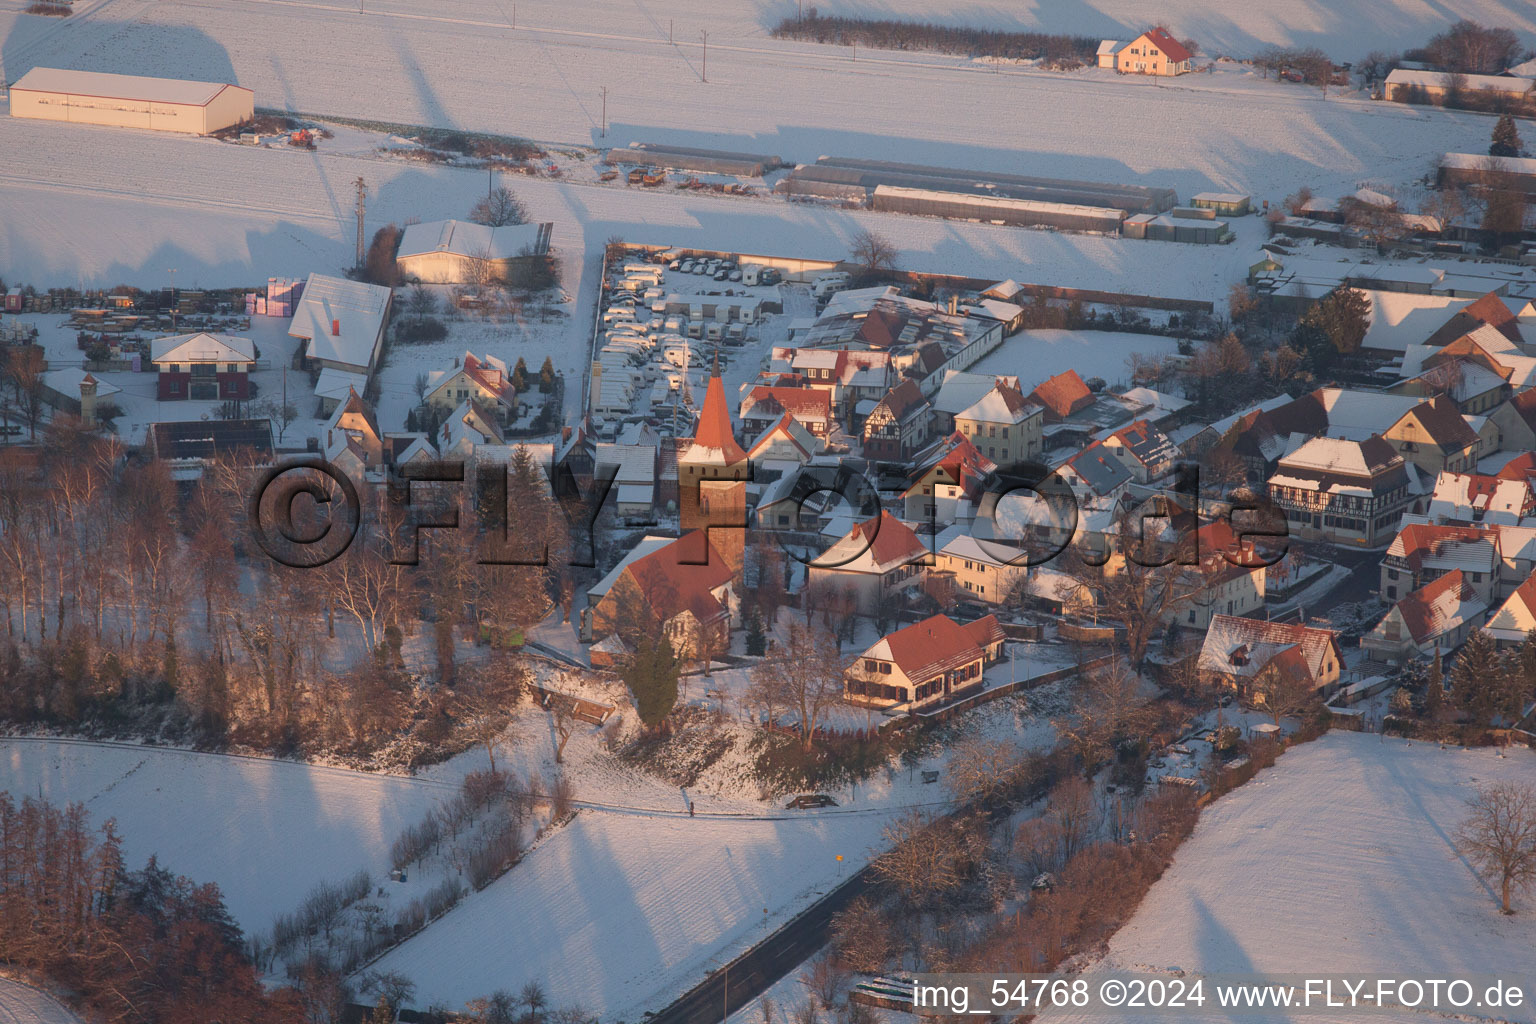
x=22, y=1004
x=266, y=831
x=623, y=912
x=1337, y=860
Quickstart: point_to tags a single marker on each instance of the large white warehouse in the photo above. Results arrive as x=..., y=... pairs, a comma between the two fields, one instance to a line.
x=456, y=251
x=131, y=101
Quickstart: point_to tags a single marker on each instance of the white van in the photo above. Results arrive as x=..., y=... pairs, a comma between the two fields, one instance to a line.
x=826, y=284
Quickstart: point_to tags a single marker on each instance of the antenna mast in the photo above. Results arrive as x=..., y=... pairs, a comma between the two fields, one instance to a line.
x=362, y=199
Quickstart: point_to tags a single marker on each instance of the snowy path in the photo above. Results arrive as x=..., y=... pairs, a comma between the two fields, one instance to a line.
x=20, y=1003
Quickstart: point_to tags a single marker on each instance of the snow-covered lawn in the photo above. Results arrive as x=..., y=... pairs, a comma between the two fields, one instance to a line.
x=619, y=913
x=266, y=831
x=1337, y=860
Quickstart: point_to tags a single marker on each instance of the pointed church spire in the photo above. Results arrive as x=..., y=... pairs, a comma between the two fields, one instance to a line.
x=714, y=428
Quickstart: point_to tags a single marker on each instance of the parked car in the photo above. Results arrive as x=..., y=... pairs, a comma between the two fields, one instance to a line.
x=686, y=267
x=735, y=275
x=674, y=265
x=810, y=800
x=722, y=275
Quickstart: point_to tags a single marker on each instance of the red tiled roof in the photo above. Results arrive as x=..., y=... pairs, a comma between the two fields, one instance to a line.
x=1524, y=406
x=714, y=428
x=1063, y=394
x=985, y=631
x=490, y=378
x=672, y=582
x=804, y=403
x=1419, y=539
x=937, y=644
x=1171, y=47
x=1228, y=633
x=889, y=540
x=1424, y=610
x=1521, y=467
x=902, y=397
x=1493, y=311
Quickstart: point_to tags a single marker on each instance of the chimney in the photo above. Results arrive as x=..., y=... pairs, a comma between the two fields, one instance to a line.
x=335, y=328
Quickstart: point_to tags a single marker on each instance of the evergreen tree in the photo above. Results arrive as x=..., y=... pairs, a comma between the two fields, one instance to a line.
x=1343, y=316
x=383, y=1013
x=1475, y=679
x=757, y=641
x=520, y=375
x=1434, y=689
x=547, y=376
x=652, y=678
x=1506, y=138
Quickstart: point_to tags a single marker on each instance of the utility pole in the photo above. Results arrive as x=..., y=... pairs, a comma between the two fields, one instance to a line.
x=362, y=197
x=669, y=31
x=603, y=132
x=490, y=184
x=175, y=304
x=704, y=70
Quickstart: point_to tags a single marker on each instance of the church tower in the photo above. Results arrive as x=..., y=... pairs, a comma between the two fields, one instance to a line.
x=711, y=479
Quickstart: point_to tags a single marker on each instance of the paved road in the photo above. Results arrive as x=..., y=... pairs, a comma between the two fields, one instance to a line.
x=755, y=971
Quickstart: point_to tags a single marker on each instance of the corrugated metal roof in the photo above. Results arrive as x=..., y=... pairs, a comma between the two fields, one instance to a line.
x=129, y=87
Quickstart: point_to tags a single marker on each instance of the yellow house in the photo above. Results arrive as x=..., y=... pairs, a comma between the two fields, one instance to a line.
x=1154, y=52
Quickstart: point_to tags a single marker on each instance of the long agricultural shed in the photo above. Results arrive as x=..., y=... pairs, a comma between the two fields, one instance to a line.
x=131, y=101
x=706, y=161
x=851, y=178
x=996, y=210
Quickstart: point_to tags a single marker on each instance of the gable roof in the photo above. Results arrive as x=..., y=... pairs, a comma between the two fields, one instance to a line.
x=1063, y=394
x=1517, y=615
x=1147, y=444
x=474, y=241
x=925, y=649
x=202, y=348
x=672, y=581
x=102, y=84
x=1243, y=647
x=878, y=544
x=803, y=403
x=903, y=398
x=1099, y=470
x=1445, y=424
x=342, y=321
x=1171, y=47
x=1439, y=607
x=789, y=429
x=1005, y=403
x=1435, y=546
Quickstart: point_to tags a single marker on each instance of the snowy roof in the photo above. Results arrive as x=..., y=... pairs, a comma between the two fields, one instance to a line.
x=1154, y=400
x=1336, y=455
x=925, y=649
x=479, y=241
x=1434, y=609
x=1401, y=319
x=342, y=320
x=876, y=545
x=1477, y=161
x=1003, y=404
x=1232, y=198
x=636, y=463
x=67, y=381
x=646, y=546
x=1243, y=647
x=333, y=383
x=1440, y=80
x=960, y=390
x=1109, y=47
x=202, y=348
x=1517, y=616
x=175, y=91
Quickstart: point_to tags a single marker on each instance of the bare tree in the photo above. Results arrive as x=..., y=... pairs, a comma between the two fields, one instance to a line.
x=1499, y=836
x=874, y=253
x=810, y=672
x=499, y=208
x=981, y=769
